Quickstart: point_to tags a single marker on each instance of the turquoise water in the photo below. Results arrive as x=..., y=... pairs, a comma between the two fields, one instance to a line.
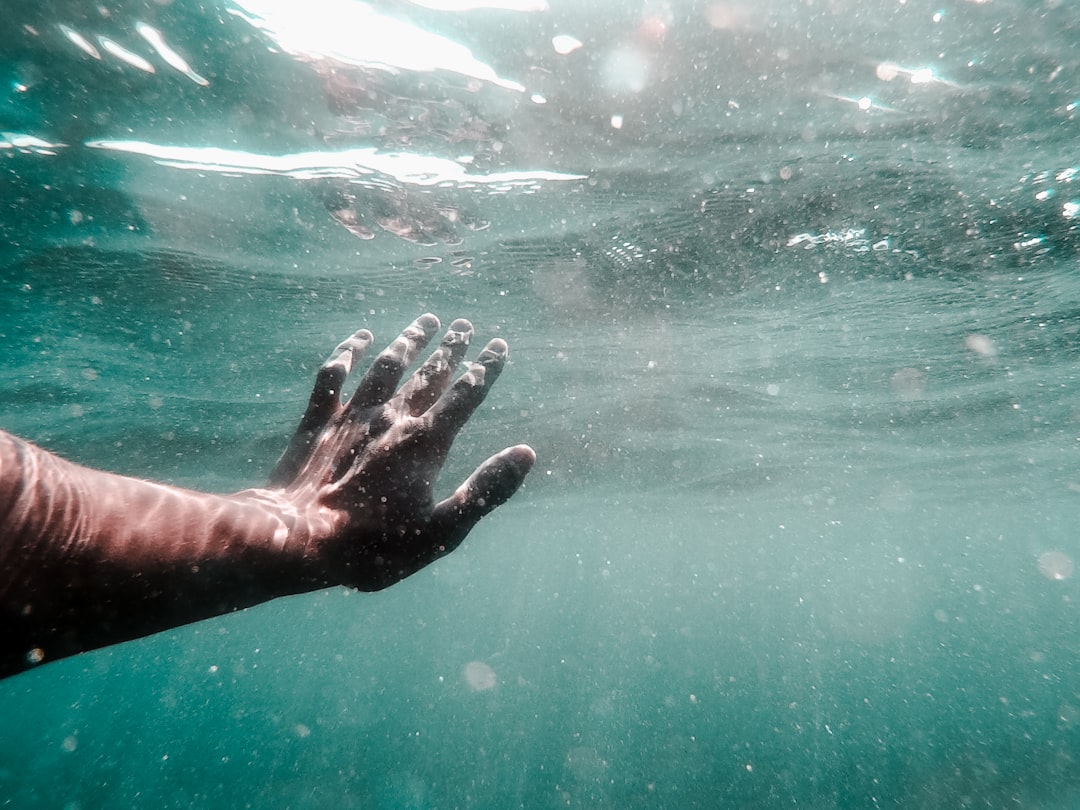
x=794, y=312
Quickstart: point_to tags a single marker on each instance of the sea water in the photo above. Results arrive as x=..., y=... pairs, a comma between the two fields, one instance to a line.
x=792, y=298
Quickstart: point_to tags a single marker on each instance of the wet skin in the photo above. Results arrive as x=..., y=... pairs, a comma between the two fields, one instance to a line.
x=90, y=558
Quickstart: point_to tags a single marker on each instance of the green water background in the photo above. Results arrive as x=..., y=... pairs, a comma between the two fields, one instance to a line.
x=782, y=545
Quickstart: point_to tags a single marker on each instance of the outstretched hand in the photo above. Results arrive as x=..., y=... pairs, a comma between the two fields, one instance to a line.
x=90, y=558
x=367, y=465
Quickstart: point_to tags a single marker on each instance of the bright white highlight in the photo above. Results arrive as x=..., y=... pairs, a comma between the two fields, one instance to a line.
x=890, y=71
x=353, y=33
x=473, y=5
x=864, y=103
x=28, y=143
x=564, y=44
x=350, y=164
x=80, y=41
x=171, y=57
x=124, y=55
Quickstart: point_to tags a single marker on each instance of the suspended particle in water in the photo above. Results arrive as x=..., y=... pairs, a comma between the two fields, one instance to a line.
x=981, y=345
x=480, y=676
x=908, y=384
x=1055, y=565
x=564, y=44
x=887, y=71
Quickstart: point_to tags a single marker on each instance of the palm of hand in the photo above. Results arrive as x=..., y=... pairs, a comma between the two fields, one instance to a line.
x=373, y=459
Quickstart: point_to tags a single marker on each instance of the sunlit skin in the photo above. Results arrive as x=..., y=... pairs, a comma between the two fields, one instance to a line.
x=90, y=558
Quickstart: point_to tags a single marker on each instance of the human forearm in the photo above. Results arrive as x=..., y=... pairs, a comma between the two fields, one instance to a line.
x=89, y=558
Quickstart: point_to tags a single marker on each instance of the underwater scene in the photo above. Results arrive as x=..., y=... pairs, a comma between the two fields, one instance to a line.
x=792, y=295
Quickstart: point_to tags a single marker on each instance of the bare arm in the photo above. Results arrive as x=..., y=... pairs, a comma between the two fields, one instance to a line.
x=89, y=558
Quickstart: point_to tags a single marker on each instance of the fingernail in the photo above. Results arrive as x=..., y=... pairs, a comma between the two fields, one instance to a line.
x=495, y=350
x=428, y=322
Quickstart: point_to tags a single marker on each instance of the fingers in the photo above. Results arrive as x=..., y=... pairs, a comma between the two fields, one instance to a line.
x=447, y=416
x=441, y=405
x=492, y=485
x=323, y=404
x=333, y=372
x=382, y=379
x=432, y=379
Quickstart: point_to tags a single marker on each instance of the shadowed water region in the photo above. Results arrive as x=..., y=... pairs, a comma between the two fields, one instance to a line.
x=792, y=297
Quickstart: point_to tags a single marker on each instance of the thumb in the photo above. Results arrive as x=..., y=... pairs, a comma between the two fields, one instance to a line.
x=490, y=486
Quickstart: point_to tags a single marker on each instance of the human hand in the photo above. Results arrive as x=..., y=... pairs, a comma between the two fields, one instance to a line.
x=368, y=465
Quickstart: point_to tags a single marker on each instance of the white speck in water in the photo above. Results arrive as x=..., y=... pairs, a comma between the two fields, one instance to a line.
x=1055, y=565
x=981, y=345
x=564, y=44
x=887, y=71
x=480, y=676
